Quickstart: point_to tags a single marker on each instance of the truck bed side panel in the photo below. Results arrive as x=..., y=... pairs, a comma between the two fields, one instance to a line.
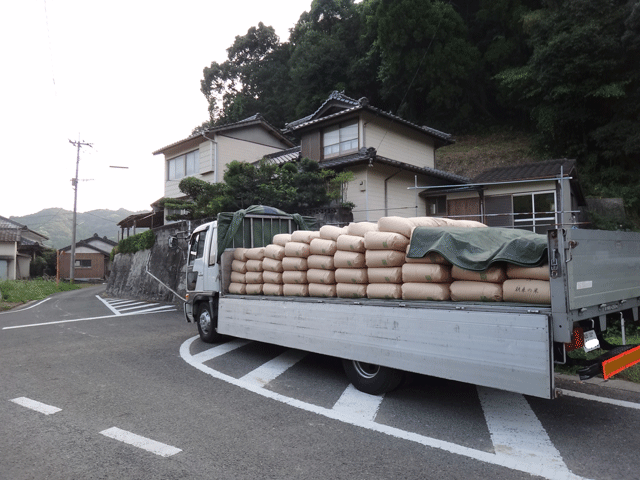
x=505, y=350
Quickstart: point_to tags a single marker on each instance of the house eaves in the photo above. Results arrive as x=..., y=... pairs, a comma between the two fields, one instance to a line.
x=369, y=156
x=256, y=119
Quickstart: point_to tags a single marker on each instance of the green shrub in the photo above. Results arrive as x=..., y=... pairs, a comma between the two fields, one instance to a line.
x=135, y=243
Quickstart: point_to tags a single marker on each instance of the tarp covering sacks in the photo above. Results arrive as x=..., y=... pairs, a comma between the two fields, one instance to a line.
x=478, y=248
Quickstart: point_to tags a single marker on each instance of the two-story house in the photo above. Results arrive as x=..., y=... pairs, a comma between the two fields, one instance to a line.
x=18, y=246
x=387, y=155
x=205, y=155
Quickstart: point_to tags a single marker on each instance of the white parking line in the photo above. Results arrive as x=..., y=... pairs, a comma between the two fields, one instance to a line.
x=611, y=401
x=219, y=350
x=274, y=368
x=354, y=402
x=37, y=406
x=147, y=444
x=133, y=306
x=516, y=432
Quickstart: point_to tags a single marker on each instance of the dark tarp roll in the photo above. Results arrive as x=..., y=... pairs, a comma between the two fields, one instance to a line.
x=477, y=248
x=230, y=233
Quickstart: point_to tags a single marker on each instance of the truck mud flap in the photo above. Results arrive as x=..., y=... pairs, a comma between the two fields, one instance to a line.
x=612, y=362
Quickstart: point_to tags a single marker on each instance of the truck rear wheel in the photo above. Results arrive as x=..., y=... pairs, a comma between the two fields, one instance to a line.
x=207, y=324
x=370, y=378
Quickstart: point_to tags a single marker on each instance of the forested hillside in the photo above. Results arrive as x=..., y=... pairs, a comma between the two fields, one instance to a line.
x=56, y=223
x=565, y=73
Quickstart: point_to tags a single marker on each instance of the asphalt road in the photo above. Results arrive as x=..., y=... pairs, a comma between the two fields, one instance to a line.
x=110, y=389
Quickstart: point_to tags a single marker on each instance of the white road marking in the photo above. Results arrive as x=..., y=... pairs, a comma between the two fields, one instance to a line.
x=274, y=368
x=354, y=402
x=219, y=350
x=108, y=305
x=147, y=444
x=23, y=309
x=132, y=306
x=515, y=430
x=611, y=401
x=37, y=406
x=501, y=460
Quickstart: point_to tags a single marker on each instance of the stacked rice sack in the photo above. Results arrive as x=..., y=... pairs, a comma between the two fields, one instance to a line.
x=294, y=263
x=238, y=285
x=426, y=278
x=473, y=286
x=320, y=263
x=527, y=285
x=385, y=257
x=254, y=275
x=350, y=262
x=272, y=265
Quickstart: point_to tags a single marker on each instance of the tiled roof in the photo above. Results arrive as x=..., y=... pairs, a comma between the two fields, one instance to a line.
x=528, y=171
x=351, y=105
x=9, y=235
x=284, y=156
x=369, y=155
x=252, y=120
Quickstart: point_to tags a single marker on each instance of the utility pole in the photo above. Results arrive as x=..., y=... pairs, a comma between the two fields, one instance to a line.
x=74, y=182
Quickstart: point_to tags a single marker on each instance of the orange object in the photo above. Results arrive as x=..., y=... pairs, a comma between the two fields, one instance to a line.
x=620, y=362
x=577, y=340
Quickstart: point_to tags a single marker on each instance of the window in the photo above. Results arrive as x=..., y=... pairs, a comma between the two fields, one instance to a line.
x=340, y=139
x=437, y=206
x=183, y=166
x=534, y=211
x=81, y=263
x=196, y=249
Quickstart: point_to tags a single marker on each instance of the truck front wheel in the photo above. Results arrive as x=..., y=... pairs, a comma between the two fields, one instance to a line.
x=207, y=324
x=370, y=378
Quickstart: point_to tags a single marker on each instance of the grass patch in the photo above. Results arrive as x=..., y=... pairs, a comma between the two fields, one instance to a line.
x=17, y=292
x=631, y=374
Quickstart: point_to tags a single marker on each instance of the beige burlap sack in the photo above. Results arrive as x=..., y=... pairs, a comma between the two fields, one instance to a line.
x=254, y=277
x=291, y=264
x=322, y=246
x=323, y=277
x=426, y=273
x=351, y=290
x=271, y=265
x=237, y=277
x=304, y=236
x=239, y=266
x=532, y=273
x=238, y=288
x=293, y=290
x=351, y=275
x=358, y=229
x=331, y=232
x=254, y=266
x=272, y=289
x=240, y=254
x=254, y=288
x=428, y=221
x=384, y=290
x=281, y=239
x=298, y=278
x=272, y=277
x=274, y=251
x=527, y=291
x=255, y=253
x=467, y=223
x=384, y=258
x=385, y=275
x=385, y=241
x=297, y=249
x=350, y=243
x=325, y=291
x=493, y=274
x=465, y=291
x=431, y=257
x=435, y=292
x=343, y=259
x=323, y=262
x=400, y=225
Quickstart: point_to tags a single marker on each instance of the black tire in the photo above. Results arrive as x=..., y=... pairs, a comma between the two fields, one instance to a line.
x=207, y=324
x=370, y=378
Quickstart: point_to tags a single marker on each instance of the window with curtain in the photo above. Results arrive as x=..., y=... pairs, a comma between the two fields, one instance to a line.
x=340, y=138
x=183, y=166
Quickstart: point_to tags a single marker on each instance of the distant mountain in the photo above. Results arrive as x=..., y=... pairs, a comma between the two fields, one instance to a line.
x=55, y=223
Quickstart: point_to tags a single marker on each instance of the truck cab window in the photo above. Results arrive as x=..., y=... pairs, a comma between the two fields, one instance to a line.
x=196, y=247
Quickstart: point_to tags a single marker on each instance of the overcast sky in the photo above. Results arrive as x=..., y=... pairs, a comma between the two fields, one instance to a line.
x=121, y=75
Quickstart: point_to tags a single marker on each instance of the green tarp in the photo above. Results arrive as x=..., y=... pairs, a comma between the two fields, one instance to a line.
x=477, y=248
x=234, y=231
